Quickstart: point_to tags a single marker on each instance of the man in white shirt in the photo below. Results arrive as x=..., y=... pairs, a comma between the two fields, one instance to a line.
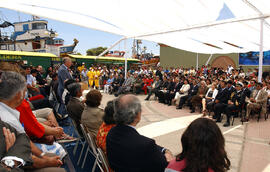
x=31, y=81
x=13, y=88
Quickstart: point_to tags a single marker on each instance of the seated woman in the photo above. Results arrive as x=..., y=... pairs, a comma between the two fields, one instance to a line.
x=197, y=99
x=208, y=101
x=108, y=123
x=182, y=92
x=92, y=115
x=203, y=149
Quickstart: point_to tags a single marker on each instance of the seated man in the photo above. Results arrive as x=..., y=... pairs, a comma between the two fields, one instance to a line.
x=127, y=150
x=162, y=89
x=126, y=86
x=13, y=87
x=221, y=101
x=117, y=82
x=31, y=81
x=75, y=107
x=257, y=101
x=154, y=88
x=171, y=94
x=15, y=150
x=138, y=83
x=234, y=103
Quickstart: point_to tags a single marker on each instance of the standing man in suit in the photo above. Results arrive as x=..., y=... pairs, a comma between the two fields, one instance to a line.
x=127, y=150
x=221, y=101
x=257, y=100
x=63, y=75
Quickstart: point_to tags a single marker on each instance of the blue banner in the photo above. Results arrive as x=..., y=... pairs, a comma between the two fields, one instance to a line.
x=252, y=58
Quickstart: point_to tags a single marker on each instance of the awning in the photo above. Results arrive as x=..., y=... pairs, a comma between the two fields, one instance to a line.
x=208, y=26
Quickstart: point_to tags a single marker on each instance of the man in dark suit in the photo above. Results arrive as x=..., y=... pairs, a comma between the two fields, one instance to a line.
x=221, y=101
x=127, y=150
x=75, y=107
x=174, y=89
x=158, y=73
x=162, y=88
x=169, y=88
x=118, y=82
x=246, y=92
x=230, y=87
x=63, y=75
x=234, y=103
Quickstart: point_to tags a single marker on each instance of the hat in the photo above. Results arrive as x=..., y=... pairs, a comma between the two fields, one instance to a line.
x=239, y=84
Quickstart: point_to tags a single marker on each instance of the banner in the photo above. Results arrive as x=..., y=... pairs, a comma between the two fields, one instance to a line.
x=252, y=58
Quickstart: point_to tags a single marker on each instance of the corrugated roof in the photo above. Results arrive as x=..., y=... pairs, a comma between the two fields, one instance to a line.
x=26, y=53
x=102, y=58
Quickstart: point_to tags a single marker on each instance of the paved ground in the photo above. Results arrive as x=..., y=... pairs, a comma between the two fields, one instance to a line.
x=247, y=145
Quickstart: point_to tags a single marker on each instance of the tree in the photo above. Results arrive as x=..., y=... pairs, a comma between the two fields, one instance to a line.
x=95, y=51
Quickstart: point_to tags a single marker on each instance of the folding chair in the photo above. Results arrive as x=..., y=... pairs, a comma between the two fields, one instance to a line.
x=79, y=137
x=103, y=160
x=91, y=144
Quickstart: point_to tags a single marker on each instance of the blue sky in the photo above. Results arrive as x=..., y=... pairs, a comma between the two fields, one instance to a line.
x=88, y=38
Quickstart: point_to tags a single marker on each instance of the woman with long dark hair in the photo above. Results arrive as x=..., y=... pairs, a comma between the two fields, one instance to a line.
x=203, y=149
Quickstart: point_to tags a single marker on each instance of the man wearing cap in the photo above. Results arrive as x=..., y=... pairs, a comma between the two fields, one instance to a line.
x=234, y=103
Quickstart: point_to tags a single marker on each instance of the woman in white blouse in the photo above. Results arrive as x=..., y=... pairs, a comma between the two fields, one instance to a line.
x=182, y=92
x=209, y=97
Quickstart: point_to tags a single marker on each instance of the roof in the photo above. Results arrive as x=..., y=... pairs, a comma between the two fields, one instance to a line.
x=102, y=58
x=25, y=53
x=208, y=26
x=31, y=21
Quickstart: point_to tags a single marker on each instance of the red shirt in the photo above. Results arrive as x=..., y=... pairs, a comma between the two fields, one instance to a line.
x=30, y=123
x=179, y=166
x=102, y=134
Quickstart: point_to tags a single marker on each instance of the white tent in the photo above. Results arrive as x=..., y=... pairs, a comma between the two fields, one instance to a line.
x=208, y=26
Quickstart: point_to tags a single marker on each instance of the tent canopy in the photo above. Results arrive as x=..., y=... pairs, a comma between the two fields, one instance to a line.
x=201, y=26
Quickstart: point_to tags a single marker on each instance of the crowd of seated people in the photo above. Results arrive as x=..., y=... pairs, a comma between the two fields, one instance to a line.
x=214, y=91
x=29, y=103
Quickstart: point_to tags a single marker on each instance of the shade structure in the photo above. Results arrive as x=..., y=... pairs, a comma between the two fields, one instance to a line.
x=171, y=22
x=208, y=26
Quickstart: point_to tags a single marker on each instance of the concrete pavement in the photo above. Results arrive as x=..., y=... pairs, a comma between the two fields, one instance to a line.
x=247, y=145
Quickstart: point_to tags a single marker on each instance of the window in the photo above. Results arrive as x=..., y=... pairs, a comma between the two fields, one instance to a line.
x=36, y=45
x=39, y=26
